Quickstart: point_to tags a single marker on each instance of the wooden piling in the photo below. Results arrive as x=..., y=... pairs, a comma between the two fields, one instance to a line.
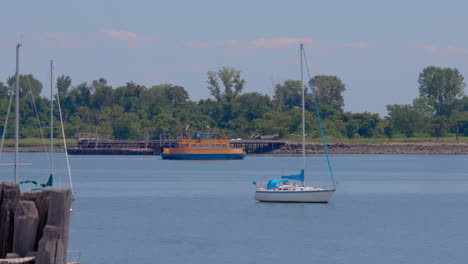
x=25, y=228
x=10, y=198
x=41, y=200
x=34, y=221
x=59, y=214
x=47, y=249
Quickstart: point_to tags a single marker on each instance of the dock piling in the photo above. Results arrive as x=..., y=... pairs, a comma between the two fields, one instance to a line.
x=34, y=223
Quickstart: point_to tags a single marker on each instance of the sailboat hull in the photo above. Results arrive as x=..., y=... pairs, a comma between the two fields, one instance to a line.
x=316, y=196
x=283, y=192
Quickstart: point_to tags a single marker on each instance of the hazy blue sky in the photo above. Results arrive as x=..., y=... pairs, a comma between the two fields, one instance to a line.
x=377, y=48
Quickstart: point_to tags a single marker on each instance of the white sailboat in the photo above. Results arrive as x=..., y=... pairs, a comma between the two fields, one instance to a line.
x=50, y=180
x=51, y=165
x=60, y=218
x=282, y=190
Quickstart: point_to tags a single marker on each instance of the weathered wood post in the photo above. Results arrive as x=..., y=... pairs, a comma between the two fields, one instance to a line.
x=9, y=199
x=50, y=251
x=41, y=200
x=59, y=216
x=34, y=224
x=25, y=228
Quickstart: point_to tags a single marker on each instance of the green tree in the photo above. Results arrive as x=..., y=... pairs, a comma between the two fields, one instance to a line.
x=63, y=85
x=405, y=119
x=154, y=100
x=464, y=104
x=253, y=105
x=165, y=124
x=367, y=124
x=352, y=127
x=126, y=126
x=263, y=126
x=102, y=94
x=456, y=122
x=225, y=86
x=213, y=110
x=231, y=80
x=329, y=91
x=439, y=126
x=459, y=118
x=442, y=87
x=4, y=100
x=81, y=95
x=388, y=131
x=129, y=96
x=30, y=102
x=289, y=95
x=4, y=90
x=464, y=124
x=237, y=127
x=176, y=95
x=28, y=84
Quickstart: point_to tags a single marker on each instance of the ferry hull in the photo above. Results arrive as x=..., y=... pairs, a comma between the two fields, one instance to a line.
x=198, y=156
x=317, y=196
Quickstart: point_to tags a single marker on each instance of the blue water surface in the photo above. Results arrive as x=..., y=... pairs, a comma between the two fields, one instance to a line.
x=387, y=209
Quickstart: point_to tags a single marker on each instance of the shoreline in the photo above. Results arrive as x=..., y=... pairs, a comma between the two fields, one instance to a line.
x=32, y=149
x=423, y=148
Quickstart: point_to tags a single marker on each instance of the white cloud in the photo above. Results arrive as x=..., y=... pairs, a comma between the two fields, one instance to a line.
x=61, y=40
x=198, y=44
x=129, y=39
x=448, y=49
x=278, y=43
x=193, y=66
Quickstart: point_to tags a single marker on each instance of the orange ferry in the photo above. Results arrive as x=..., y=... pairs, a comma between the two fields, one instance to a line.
x=203, y=146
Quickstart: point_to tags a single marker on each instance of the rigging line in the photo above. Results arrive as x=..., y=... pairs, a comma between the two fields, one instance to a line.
x=6, y=125
x=51, y=164
x=37, y=118
x=37, y=114
x=319, y=120
x=65, y=144
x=303, y=112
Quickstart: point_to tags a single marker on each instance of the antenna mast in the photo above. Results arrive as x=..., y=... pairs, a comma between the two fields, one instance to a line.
x=17, y=91
x=51, y=115
x=303, y=109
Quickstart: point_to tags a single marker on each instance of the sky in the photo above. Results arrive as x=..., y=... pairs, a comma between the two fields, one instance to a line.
x=377, y=48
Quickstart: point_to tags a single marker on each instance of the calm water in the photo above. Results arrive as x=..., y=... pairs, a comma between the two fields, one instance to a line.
x=387, y=209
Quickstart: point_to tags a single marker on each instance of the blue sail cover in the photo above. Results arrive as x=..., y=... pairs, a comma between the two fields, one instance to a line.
x=298, y=177
x=272, y=183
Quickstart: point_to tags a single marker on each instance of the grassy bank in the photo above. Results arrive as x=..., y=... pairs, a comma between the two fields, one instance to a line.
x=37, y=142
x=383, y=140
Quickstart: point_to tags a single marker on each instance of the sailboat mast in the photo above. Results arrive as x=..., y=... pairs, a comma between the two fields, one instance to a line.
x=17, y=113
x=303, y=109
x=51, y=115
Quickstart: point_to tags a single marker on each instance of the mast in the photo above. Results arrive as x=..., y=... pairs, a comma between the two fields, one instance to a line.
x=65, y=145
x=63, y=134
x=17, y=113
x=317, y=112
x=303, y=110
x=51, y=115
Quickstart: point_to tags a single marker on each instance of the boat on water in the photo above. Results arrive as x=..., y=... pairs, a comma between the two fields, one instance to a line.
x=16, y=93
x=291, y=188
x=287, y=192
x=55, y=205
x=204, y=145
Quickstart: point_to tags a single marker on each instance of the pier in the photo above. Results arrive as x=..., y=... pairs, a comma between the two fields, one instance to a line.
x=92, y=144
x=34, y=225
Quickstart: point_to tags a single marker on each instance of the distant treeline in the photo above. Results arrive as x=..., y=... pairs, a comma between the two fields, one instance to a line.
x=165, y=109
